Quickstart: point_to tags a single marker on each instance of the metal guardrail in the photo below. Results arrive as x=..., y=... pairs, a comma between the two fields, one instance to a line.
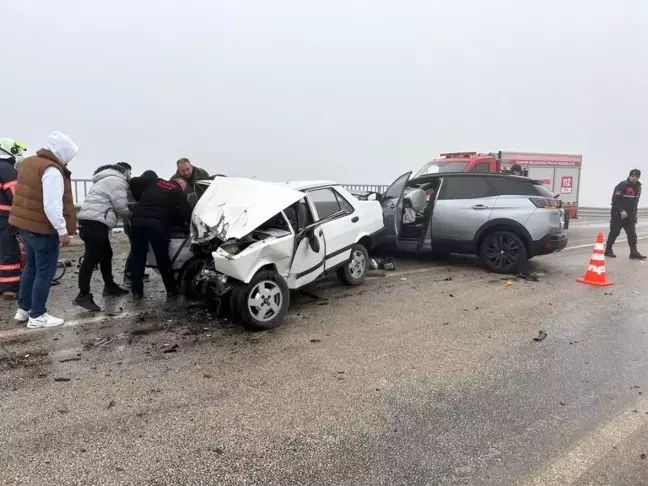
x=80, y=188
x=589, y=212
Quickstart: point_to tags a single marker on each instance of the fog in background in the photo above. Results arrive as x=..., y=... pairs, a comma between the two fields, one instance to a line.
x=354, y=91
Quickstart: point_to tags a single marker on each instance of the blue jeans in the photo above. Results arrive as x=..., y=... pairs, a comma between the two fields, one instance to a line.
x=42, y=252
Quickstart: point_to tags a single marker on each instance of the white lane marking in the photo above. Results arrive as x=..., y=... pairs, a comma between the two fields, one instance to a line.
x=592, y=448
x=73, y=323
x=590, y=245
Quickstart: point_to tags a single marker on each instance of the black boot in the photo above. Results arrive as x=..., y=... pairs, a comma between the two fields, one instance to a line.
x=635, y=255
x=609, y=253
x=87, y=302
x=114, y=290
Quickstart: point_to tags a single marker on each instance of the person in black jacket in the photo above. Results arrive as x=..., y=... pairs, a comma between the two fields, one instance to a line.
x=162, y=205
x=137, y=186
x=625, y=202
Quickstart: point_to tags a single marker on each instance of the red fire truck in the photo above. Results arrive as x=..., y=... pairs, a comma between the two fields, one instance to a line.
x=561, y=173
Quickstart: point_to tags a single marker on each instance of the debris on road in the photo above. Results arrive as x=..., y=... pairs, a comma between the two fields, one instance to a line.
x=643, y=456
x=508, y=283
x=172, y=349
x=315, y=340
x=111, y=404
x=540, y=337
x=62, y=379
x=447, y=279
x=530, y=277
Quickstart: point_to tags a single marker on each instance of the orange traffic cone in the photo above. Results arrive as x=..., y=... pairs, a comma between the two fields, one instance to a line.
x=595, y=273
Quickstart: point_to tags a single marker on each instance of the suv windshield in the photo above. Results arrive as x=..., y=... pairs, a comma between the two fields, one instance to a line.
x=436, y=167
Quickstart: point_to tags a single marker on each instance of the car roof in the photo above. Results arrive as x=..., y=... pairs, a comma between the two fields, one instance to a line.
x=305, y=185
x=440, y=175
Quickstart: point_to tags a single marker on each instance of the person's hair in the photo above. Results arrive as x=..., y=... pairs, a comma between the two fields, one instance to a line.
x=124, y=165
x=182, y=161
x=181, y=182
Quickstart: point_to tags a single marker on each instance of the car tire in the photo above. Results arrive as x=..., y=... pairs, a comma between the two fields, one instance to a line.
x=270, y=290
x=503, y=252
x=187, y=275
x=355, y=270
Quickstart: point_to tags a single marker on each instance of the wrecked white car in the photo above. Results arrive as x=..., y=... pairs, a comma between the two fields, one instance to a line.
x=254, y=241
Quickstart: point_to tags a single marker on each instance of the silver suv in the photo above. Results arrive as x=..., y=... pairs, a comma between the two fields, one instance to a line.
x=503, y=219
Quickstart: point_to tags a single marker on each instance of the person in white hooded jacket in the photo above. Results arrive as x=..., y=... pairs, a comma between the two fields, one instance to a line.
x=43, y=212
x=108, y=200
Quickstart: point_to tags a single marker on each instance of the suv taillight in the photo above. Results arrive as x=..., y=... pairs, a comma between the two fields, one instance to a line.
x=545, y=203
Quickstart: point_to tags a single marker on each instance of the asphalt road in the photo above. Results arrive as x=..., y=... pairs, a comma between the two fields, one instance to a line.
x=428, y=375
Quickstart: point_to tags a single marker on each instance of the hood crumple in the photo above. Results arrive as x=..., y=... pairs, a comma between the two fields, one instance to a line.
x=234, y=207
x=62, y=147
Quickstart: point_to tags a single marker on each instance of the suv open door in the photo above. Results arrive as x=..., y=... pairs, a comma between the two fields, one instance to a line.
x=392, y=206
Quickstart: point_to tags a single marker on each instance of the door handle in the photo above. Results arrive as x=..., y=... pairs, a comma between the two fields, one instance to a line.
x=479, y=206
x=355, y=219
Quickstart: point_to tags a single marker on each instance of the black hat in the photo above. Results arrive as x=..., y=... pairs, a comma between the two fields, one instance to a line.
x=636, y=173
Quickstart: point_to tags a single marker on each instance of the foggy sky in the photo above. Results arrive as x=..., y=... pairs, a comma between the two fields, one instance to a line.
x=354, y=91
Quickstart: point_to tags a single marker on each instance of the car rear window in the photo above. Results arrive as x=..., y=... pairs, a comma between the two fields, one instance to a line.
x=514, y=186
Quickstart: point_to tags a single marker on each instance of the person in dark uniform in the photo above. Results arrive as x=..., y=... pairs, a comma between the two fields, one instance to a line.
x=516, y=169
x=162, y=205
x=625, y=202
x=11, y=153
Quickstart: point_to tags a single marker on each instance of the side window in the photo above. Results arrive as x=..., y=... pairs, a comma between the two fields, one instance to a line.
x=513, y=186
x=325, y=201
x=483, y=167
x=344, y=204
x=466, y=188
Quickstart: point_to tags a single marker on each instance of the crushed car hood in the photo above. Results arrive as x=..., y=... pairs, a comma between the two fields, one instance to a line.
x=233, y=207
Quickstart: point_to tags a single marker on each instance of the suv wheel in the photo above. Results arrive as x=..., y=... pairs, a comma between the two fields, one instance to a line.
x=355, y=271
x=262, y=304
x=503, y=252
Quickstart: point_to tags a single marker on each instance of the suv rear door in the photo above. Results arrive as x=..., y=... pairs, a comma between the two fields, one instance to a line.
x=464, y=204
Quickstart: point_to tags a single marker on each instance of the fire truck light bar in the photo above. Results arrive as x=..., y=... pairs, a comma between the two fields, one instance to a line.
x=459, y=154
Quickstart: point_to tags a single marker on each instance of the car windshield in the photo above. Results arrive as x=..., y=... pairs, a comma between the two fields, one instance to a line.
x=436, y=167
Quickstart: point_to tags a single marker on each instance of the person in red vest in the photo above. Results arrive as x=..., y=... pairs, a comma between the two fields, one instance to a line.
x=11, y=153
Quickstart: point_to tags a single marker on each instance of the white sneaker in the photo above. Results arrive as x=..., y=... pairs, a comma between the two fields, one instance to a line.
x=21, y=316
x=44, y=321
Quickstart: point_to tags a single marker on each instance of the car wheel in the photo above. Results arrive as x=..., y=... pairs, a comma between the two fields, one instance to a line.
x=503, y=252
x=262, y=304
x=186, y=281
x=355, y=271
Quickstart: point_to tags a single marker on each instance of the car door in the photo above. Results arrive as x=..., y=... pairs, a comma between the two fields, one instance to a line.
x=464, y=204
x=392, y=206
x=308, y=258
x=339, y=232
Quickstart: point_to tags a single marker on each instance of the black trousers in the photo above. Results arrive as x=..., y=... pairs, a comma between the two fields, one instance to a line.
x=629, y=225
x=95, y=235
x=128, y=230
x=150, y=232
x=9, y=257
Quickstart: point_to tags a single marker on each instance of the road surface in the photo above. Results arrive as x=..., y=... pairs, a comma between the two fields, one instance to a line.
x=428, y=375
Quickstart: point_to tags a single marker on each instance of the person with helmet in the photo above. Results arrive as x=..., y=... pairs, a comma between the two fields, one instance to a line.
x=11, y=153
x=625, y=202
